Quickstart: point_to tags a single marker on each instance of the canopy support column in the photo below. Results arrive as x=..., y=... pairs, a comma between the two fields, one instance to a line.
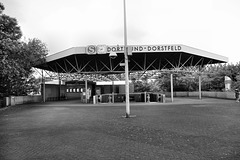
x=59, y=82
x=86, y=90
x=200, y=86
x=112, y=91
x=43, y=88
x=171, y=77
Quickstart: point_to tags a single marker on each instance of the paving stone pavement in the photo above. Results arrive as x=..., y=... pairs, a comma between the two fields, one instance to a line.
x=187, y=129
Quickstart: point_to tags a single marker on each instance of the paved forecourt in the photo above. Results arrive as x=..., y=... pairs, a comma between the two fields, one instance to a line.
x=186, y=129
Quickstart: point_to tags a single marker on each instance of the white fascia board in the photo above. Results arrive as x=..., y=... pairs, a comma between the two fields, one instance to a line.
x=65, y=53
x=55, y=82
x=202, y=53
x=176, y=47
x=110, y=83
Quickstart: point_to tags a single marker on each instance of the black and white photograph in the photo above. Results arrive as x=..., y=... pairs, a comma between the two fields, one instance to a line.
x=119, y=79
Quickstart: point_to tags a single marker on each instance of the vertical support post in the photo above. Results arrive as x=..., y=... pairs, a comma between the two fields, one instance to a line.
x=112, y=91
x=43, y=88
x=59, y=82
x=145, y=97
x=86, y=89
x=126, y=63
x=200, y=86
x=171, y=86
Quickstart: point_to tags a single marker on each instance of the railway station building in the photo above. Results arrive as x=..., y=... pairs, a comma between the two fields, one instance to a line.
x=76, y=66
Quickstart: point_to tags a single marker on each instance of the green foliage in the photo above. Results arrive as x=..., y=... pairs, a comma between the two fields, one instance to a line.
x=216, y=73
x=17, y=57
x=212, y=79
x=141, y=86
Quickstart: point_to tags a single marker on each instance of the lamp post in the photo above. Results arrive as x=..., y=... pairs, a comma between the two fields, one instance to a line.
x=126, y=63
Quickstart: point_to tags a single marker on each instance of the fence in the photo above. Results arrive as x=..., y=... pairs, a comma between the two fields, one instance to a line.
x=137, y=97
x=222, y=95
x=14, y=100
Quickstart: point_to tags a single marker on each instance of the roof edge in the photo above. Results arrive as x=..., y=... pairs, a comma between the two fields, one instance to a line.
x=65, y=53
x=203, y=53
x=184, y=48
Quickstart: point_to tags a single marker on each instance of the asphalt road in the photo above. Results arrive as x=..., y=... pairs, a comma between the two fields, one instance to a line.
x=187, y=129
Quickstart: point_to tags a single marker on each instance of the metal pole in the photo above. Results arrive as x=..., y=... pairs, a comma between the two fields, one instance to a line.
x=171, y=87
x=145, y=97
x=126, y=64
x=200, y=86
x=59, y=82
x=112, y=91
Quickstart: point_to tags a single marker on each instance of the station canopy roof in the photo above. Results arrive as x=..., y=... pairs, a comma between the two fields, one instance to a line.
x=96, y=59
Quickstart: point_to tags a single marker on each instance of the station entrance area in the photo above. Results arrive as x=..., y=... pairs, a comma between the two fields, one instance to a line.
x=105, y=60
x=97, y=92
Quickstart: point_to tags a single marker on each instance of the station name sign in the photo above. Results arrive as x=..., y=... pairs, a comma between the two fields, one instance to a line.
x=104, y=49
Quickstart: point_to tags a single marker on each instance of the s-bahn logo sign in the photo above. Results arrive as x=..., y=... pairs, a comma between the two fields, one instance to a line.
x=104, y=49
x=99, y=49
x=91, y=49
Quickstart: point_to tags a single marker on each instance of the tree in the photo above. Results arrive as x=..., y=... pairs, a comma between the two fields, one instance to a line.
x=140, y=82
x=214, y=78
x=16, y=57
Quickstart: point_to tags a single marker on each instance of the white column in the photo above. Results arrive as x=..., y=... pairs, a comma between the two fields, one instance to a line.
x=59, y=82
x=200, y=86
x=112, y=91
x=86, y=89
x=171, y=86
x=145, y=97
x=43, y=89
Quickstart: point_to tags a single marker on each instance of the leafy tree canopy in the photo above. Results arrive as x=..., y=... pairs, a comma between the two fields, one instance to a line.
x=212, y=79
x=17, y=57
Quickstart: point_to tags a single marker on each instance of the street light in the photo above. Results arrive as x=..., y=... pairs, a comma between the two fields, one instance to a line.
x=126, y=63
x=112, y=54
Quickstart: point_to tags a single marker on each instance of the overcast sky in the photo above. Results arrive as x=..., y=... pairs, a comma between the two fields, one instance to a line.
x=211, y=25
